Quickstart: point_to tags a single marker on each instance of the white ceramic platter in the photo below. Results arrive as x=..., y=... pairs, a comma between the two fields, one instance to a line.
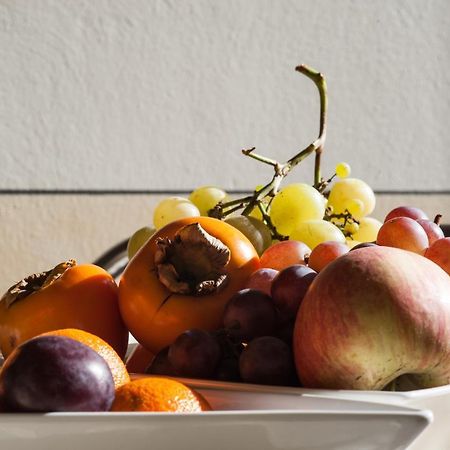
x=437, y=400
x=245, y=418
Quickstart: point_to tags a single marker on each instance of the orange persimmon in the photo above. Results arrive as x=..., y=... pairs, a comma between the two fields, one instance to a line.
x=69, y=296
x=181, y=279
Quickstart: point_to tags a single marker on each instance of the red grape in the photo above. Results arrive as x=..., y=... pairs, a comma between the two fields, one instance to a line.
x=404, y=233
x=267, y=360
x=249, y=314
x=284, y=254
x=406, y=211
x=326, y=252
x=439, y=252
x=261, y=280
x=289, y=287
x=56, y=373
x=160, y=364
x=194, y=353
x=432, y=229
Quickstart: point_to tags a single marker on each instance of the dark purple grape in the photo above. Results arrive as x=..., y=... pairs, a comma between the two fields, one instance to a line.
x=363, y=245
x=285, y=331
x=289, y=287
x=268, y=360
x=228, y=370
x=3, y=406
x=56, y=373
x=195, y=354
x=231, y=348
x=160, y=364
x=249, y=314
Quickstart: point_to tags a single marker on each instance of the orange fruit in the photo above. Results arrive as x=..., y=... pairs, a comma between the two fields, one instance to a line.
x=119, y=372
x=154, y=314
x=158, y=394
x=81, y=296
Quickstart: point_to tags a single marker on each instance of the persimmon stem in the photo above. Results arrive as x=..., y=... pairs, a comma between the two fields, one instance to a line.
x=281, y=170
x=35, y=282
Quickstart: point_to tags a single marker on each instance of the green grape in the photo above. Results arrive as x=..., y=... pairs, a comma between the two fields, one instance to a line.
x=256, y=231
x=351, y=227
x=256, y=212
x=294, y=204
x=206, y=197
x=173, y=208
x=355, y=207
x=138, y=239
x=343, y=170
x=348, y=189
x=313, y=232
x=368, y=230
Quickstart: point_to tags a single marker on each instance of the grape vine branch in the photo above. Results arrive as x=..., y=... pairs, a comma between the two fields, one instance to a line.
x=258, y=199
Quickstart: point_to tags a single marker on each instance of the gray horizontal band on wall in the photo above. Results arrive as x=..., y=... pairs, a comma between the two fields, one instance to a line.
x=168, y=192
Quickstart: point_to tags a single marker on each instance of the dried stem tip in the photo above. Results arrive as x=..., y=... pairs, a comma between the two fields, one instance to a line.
x=193, y=262
x=35, y=282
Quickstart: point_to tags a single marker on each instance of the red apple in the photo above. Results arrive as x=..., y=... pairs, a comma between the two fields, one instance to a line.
x=373, y=315
x=439, y=252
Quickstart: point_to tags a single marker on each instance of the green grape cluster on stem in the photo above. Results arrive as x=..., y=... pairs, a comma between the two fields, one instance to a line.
x=261, y=197
x=312, y=213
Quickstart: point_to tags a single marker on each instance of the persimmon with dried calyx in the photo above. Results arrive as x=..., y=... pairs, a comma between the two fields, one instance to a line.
x=182, y=279
x=81, y=296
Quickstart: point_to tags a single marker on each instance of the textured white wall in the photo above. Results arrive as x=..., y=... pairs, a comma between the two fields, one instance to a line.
x=139, y=94
x=162, y=95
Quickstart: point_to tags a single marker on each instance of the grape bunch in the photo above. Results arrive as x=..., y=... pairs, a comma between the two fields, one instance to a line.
x=298, y=212
x=334, y=209
x=254, y=344
x=409, y=228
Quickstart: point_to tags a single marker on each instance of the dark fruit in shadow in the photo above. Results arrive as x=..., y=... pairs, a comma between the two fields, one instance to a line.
x=56, y=373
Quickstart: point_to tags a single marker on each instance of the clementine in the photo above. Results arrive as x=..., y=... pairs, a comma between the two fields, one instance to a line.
x=158, y=394
x=119, y=372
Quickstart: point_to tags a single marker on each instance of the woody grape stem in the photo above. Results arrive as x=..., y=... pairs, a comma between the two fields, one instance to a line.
x=281, y=170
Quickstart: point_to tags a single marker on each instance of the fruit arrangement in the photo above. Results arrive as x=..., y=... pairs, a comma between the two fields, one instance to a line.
x=292, y=285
